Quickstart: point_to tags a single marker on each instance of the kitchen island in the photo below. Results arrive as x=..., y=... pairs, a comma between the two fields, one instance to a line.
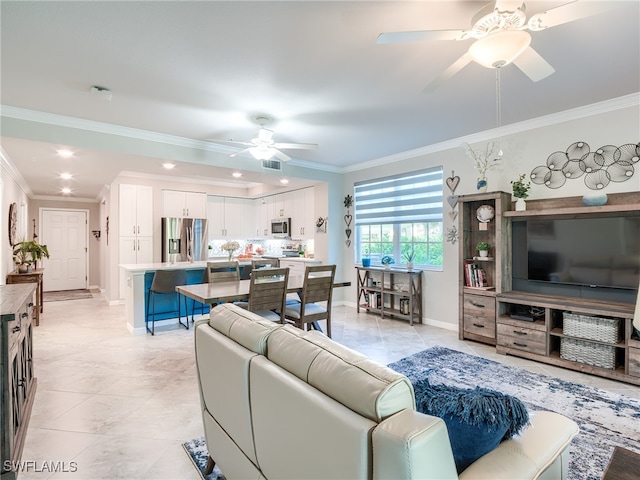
x=138, y=281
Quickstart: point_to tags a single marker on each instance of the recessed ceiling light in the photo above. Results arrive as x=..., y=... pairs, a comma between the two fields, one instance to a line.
x=284, y=181
x=65, y=176
x=237, y=174
x=66, y=190
x=168, y=165
x=65, y=153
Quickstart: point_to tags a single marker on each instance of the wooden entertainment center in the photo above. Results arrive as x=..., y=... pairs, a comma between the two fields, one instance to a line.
x=487, y=300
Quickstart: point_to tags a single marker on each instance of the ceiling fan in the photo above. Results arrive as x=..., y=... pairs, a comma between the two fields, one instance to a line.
x=499, y=29
x=263, y=147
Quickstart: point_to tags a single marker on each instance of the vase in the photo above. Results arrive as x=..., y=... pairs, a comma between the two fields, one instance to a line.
x=230, y=255
x=481, y=184
x=483, y=253
x=409, y=265
x=521, y=205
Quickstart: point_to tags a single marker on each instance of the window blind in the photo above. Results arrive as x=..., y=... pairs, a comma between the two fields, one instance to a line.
x=405, y=198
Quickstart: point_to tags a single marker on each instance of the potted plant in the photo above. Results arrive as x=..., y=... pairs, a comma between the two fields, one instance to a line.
x=483, y=249
x=408, y=257
x=28, y=252
x=521, y=192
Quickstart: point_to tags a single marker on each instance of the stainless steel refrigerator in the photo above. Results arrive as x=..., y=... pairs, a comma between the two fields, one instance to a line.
x=184, y=239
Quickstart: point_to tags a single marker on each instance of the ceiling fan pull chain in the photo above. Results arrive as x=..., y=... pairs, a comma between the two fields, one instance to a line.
x=499, y=111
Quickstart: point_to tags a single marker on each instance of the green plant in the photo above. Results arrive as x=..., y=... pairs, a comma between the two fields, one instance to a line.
x=482, y=246
x=409, y=256
x=520, y=189
x=28, y=252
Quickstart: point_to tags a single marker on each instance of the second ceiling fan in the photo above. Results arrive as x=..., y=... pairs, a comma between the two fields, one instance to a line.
x=264, y=147
x=499, y=29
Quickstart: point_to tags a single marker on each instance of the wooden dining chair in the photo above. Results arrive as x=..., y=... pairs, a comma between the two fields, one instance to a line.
x=267, y=293
x=164, y=283
x=265, y=262
x=223, y=271
x=317, y=287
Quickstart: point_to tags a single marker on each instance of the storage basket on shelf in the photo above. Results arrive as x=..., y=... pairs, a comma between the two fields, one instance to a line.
x=595, y=354
x=601, y=329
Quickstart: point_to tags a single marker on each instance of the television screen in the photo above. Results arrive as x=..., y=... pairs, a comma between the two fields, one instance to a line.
x=593, y=252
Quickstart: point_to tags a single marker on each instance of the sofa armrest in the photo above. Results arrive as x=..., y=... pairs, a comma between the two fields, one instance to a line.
x=412, y=445
x=540, y=451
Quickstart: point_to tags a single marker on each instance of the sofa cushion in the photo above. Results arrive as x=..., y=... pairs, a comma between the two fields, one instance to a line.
x=477, y=419
x=369, y=389
x=242, y=326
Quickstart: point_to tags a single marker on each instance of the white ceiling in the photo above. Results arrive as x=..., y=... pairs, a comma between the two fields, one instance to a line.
x=201, y=70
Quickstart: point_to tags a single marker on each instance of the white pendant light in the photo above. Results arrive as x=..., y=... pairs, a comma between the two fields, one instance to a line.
x=499, y=48
x=262, y=152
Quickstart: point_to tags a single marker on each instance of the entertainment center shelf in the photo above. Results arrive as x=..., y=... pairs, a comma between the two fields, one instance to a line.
x=563, y=318
x=541, y=339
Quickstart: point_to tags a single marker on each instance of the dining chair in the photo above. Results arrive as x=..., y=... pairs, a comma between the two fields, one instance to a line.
x=164, y=283
x=223, y=271
x=267, y=293
x=265, y=262
x=317, y=287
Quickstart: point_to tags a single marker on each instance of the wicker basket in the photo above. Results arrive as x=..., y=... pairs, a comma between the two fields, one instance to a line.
x=594, y=354
x=601, y=329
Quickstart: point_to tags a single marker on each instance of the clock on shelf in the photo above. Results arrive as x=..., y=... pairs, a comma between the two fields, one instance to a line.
x=13, y=223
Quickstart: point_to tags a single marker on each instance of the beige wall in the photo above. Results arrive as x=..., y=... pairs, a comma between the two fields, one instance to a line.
x=523, y=151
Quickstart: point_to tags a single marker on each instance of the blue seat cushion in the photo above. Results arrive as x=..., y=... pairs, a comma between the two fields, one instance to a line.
x=477, y=419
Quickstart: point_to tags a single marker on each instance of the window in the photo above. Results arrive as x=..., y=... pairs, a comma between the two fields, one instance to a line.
x=398, y=215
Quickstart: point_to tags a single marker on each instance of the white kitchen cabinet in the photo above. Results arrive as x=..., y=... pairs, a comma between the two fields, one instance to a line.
x=135, y=213
x=227, y=217
x=297, y=266
x=136, y=210
x=176, y=203
x=263, y=219
x=303, y=217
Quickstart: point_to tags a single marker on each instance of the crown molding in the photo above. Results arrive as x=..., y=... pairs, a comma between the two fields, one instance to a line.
x=606, y=106
x=7, y=164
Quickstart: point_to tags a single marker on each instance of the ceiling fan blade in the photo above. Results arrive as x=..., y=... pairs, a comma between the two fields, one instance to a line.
x=567, y=13
x=235, y=154
x=298, y=146
x=458, y=65
x=420, y=36
x=265, y=135
x=281, y=155
x=533, y=65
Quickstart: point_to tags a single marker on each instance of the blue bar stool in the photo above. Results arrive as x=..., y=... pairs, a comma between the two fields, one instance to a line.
x=165, y=283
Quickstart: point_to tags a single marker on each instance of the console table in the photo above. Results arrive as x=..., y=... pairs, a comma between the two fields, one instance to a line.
x=390, y=291
x=35, y=276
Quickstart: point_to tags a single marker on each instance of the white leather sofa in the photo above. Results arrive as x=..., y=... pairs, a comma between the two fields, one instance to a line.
x=281, y=403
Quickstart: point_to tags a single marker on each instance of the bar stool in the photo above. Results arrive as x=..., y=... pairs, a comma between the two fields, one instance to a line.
x=165, y=283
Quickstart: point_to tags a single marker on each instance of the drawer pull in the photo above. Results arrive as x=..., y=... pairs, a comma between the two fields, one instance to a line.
x=24, y=315
x=16, y=329
x=520, y=332
x=479, y=325
x=523, y=345
x=30, y=304
x=479, y=305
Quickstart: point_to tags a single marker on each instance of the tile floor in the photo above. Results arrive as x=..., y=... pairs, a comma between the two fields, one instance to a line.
x=120, y=406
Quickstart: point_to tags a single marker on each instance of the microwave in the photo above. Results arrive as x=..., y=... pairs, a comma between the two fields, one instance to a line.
x=281, y=227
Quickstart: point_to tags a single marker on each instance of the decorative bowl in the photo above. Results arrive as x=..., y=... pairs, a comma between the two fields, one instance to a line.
x=594, y=199
x=485, y=213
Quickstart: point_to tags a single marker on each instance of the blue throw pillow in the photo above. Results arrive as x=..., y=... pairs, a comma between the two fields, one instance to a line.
x=477, y=419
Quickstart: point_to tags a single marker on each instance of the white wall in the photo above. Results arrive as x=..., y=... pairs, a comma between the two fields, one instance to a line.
x=10, y=191
x=523, y=151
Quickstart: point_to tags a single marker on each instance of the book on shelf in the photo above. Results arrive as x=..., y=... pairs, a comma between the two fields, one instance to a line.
x=474, y=276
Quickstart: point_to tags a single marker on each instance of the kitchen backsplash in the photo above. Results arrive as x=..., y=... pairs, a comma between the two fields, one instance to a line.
x=270, y=247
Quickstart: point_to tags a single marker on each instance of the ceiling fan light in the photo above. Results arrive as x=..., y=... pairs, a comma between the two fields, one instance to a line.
x=262, y=152
x=499, y=48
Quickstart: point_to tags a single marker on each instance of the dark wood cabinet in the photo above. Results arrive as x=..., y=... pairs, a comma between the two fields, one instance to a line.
x=17, y=306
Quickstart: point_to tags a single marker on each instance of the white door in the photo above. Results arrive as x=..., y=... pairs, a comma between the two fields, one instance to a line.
x=64, y=232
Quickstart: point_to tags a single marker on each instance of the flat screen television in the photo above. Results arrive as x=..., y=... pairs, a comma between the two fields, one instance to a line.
x=591, y=257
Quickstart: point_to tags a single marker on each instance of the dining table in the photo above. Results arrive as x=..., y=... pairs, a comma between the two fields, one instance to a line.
x=225, y=292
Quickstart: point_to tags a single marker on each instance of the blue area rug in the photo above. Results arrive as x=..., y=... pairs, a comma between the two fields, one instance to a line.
x=606, y=419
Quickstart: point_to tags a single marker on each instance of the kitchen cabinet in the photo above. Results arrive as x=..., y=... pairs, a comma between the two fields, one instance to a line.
x=263, y=219
x=303, y=216
x=17, y=372
x=297, y=266
x=136, y=227
x=176, y=203
x=227, y=217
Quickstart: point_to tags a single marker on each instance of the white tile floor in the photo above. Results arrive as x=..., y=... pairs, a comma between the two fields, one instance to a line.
x=120, y=406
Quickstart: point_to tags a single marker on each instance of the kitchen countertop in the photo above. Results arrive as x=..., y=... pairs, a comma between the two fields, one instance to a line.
x=147, y=267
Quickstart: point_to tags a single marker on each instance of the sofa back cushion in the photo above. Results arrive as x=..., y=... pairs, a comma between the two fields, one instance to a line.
x=369, y=389
x=242, y=326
